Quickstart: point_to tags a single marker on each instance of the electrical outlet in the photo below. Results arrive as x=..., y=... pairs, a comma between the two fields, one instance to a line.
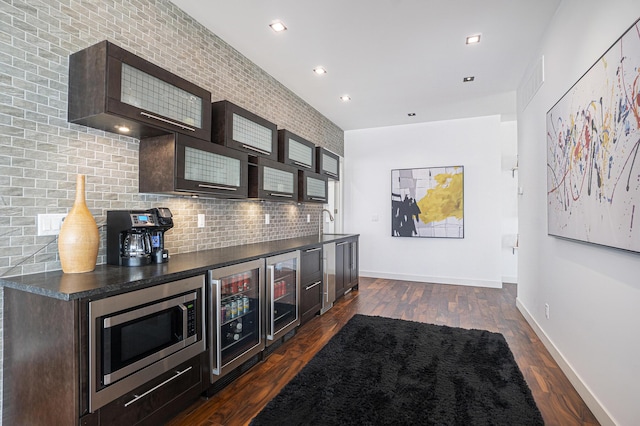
x=308, y=218
x=200, y=220
x=546, y=310
x=266, y=219
x=50, y=224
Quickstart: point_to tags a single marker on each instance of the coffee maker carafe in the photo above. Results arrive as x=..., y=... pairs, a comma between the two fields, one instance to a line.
x=136, y=237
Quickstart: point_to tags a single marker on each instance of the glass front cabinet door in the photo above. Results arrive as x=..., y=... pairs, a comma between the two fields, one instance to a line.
x=114, y=90
x=180, y=165
x=295, y=150
x=312, y=187
x=271, y=180
x=328, y=163
x=241, y=129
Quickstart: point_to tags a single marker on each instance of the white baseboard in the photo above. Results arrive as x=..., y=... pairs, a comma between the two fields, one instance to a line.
x=583, y=390
x=509, y=279
x=433, y=280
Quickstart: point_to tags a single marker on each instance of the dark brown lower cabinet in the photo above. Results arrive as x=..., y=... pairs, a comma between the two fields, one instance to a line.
x=310, y=282
x=346, y=266
x=155, y=401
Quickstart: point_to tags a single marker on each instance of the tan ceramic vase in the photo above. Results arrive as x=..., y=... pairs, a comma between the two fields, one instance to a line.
x=79, y=238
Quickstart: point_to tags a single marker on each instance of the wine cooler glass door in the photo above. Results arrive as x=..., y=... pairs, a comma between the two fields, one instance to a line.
x=282, y=295
x=236, y=316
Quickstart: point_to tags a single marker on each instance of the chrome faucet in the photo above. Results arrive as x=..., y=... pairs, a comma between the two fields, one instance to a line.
x=320, y=221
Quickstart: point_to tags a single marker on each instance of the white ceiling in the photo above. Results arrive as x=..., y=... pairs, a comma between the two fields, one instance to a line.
x=392, y=57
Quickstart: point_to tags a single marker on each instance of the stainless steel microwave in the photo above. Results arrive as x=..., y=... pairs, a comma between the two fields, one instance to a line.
x=137, y=336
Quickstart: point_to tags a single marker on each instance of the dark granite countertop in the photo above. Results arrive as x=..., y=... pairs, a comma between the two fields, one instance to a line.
x=110, y=279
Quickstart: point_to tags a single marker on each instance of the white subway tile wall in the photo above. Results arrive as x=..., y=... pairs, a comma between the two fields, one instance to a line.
x=41, y=153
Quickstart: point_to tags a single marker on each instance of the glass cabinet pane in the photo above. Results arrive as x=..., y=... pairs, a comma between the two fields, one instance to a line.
x=250, y=133
x=316, y=187
x=278, y=180
x=330, y=164
x=300, y=152
x=147, y=92
x=202, y=166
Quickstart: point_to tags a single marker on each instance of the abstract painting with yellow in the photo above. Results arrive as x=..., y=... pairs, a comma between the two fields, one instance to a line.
x=428, y=202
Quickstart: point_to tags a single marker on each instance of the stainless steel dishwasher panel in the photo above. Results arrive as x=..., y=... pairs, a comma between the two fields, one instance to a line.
x=329, y=276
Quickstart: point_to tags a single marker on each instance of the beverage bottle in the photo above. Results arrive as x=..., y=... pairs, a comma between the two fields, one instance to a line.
x=234, y=308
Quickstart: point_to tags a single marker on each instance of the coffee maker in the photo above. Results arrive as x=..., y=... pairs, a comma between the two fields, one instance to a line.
x=136, y=237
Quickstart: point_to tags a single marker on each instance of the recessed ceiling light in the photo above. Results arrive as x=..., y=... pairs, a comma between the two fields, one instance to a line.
x=320, y=70
x=468, y=79
x=345, y=98
x=278, y=26
x=411, y=114
x=473, y=39
x=123, y=129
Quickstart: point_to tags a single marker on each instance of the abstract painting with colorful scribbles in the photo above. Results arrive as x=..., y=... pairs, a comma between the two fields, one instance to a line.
x=427, y=202
x=593, y=166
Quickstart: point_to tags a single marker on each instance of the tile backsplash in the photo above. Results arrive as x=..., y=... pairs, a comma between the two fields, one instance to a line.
x=42, y=153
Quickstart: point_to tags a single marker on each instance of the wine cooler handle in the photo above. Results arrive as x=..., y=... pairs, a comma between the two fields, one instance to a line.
x=216, y=351
x=271, y=280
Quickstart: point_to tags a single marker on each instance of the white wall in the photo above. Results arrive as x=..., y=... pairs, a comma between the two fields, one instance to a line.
x=509, y=192
x=593, y=292
x=371, y=154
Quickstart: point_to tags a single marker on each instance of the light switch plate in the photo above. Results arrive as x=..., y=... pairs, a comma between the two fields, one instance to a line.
x=200, y=220
x=50, y=224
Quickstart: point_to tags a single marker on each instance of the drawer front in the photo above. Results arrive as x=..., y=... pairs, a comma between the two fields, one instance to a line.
x=310, y=264
x=310, y=299
x=136, y=406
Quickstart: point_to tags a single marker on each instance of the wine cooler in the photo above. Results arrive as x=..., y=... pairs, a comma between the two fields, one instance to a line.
x=236, y=327
x=283, y=295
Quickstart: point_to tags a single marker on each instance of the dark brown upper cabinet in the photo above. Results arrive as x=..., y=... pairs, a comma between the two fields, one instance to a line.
x=181, y=165
x=112, y=89
x=328, y=163
x=238, y=128
x=312, y=187
x=271, y=180
x=295, y=150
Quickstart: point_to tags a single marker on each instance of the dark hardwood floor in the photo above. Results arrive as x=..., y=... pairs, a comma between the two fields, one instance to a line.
x=468, y=307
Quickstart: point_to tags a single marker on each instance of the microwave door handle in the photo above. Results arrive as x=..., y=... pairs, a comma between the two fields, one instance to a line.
x=271, y=324
x=214, y=294
x=185, y=320
x=147, y=310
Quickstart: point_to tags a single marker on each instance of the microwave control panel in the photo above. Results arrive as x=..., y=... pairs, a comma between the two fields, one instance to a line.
x=191, y=319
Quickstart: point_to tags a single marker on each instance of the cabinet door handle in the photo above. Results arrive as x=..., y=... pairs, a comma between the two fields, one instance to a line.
x=312, y=249
x=298, y=163
x=204, y=185
x=153, y=389
x=273, y=194
x=174, y=123
x=329, y=173
x=341, y=244
x=317, y=198
x=310, y=286
x=253, y=148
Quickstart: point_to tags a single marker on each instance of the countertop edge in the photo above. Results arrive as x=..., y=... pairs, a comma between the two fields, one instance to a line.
x=108, y=279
